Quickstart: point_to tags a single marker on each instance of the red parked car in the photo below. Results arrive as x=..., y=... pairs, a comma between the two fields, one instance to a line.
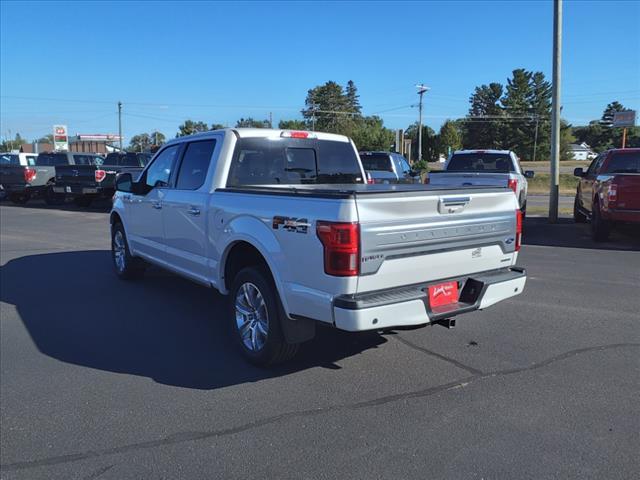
x=609, y=191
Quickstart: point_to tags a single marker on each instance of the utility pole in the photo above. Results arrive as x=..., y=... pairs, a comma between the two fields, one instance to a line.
x=421, y=89
x=270, y=120
x=120, y=123
x=313, y=117
x=535, y=138
x=555, y=111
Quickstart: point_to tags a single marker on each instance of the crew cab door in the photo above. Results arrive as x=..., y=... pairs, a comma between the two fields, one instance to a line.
x=145, y=228
x=184, y=209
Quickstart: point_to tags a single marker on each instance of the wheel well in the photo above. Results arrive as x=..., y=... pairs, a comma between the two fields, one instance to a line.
x=115, y=218
x=242, y=255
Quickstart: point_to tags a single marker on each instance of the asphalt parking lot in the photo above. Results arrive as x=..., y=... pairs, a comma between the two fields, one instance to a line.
x=105, y=379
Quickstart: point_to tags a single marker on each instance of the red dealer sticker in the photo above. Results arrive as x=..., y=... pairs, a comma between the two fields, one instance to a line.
x=443, y=294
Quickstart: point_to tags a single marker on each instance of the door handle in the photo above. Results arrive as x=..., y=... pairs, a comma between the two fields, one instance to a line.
x=156, y=205
x=193, y=211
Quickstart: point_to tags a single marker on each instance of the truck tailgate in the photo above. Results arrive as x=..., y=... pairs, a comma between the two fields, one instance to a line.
x=628, y=191
x=76, y=175
x=419, y=237
x=12, y=175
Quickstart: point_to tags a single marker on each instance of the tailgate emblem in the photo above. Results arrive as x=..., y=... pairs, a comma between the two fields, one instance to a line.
x=75, y=173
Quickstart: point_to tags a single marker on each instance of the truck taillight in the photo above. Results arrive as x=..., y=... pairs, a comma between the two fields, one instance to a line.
x=100, y=174
x=297, y=134
x=29, y=175
x=518, y=229
x=612, y=194
x=341, y=242
x=513, y=185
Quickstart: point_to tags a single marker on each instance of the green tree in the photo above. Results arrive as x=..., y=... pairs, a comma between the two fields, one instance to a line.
x=328, y=107
x=353, y=99
x=46, y=139
x=607, y=116
x=189, y=127
x=540, y=104
x=429, y=143
x=217, y=126
x=157, y=138
x=449, y=138
x=369, y=133
x=483, y=126
x=251, y=123
x=7, y=145
x=140, y=142
x=292, y=125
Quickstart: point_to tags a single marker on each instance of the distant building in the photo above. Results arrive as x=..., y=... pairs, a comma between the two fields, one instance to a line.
x=93, y=143
x=581, y=151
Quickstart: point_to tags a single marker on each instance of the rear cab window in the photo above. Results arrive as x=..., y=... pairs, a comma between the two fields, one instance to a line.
x=291, y=161
x=376, y=162
x=624, y=162
x=481, y=162
x=9, y=159
x=52, y=159
x=87, y=160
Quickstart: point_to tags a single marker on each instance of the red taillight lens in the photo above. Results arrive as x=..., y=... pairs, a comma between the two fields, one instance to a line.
x=341, y=243
x=100, y=174
x=29, y=175
x=297, y=134
x=513, y=185
x=518, y=230
x=612, y=194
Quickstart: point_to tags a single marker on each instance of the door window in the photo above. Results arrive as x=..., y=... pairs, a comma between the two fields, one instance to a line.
x=195, y=164
x=159, y=172
x=592, y=167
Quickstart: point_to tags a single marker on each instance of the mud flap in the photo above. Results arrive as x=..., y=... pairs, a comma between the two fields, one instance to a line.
x=298, y=329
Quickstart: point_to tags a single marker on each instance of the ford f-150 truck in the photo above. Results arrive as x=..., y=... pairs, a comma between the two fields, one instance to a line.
x=609, y=191
x=498, y=168
x=23, y=183
x=284, y=224
x=85, y=183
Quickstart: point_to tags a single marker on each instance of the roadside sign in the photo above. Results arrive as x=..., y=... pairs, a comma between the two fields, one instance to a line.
x=60, y=138
x=624, y=119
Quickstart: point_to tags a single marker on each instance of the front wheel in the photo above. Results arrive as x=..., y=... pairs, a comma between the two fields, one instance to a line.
x=126, y=266
x=255, y=314
x=578, y=216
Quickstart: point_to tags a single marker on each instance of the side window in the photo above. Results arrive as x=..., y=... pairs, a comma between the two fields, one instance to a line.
x=31, y=160
x=159, y=172
x=195, y=164
x=592, y=167
x=599, y=163
x=405, y=165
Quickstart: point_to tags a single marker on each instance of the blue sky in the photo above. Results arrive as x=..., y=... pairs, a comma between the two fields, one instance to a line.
x=217, y=62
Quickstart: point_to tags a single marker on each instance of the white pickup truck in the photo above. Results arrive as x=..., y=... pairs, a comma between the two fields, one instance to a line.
x=497, y=168
x=284, y=224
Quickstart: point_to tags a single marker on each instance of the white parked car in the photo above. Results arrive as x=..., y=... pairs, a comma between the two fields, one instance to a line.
x=499, y=168
x=284, y=224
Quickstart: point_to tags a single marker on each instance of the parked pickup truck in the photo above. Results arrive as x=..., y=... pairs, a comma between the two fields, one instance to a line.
x=15, y=159
x=609, y=191
x=25, y=182
x=283, y=223
x=85, y=183
x=497, y=168
x=388, y=167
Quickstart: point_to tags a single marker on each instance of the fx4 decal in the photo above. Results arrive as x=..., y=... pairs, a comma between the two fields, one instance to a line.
x=291, y=224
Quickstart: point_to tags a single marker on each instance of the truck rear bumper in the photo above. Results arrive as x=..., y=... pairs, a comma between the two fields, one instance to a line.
x=73, y=190
x=409, y=306
x=622, y=216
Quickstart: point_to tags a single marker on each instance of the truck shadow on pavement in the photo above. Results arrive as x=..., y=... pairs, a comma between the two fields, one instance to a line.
x=162, y=327
x=566, y=233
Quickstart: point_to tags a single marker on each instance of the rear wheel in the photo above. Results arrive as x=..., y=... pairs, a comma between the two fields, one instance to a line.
x=600, y=228
x=126, y=266
x=578, y=216
x=19, y=198
x=255, y=313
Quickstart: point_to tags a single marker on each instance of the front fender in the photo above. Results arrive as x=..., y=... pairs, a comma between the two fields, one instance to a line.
x=255, y=232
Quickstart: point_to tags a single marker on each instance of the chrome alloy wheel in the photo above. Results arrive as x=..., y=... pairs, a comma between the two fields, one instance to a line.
x=252, y=319
x=119, y=251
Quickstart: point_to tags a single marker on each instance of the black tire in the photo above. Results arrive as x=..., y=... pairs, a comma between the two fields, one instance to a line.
x=578, y=216
x=83, y=201
x=132, y=267
x=600, y=229
x=19, y=198
x=523, y=210
x=274, y=349
x=53, y=198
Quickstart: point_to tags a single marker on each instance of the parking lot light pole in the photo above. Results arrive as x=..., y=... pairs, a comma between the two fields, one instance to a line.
x=421, y=89
x=120, y=123
x=555, y=111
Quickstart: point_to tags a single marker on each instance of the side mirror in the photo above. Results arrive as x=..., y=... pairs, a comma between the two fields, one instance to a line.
x=578, y=172
x=124, y=183
x=529, y=174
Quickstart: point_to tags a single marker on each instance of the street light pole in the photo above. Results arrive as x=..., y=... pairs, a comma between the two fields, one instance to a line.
x=421, y=90
x=555, y=111
x=120, y=123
